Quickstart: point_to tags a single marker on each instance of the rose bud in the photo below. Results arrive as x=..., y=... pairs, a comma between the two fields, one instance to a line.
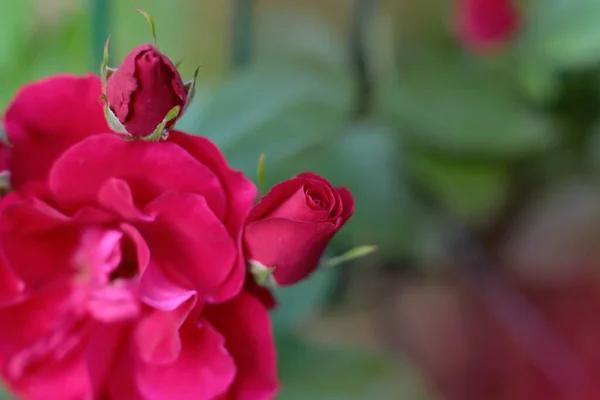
x=143, y=90
x=289, y=229
x=484, y=25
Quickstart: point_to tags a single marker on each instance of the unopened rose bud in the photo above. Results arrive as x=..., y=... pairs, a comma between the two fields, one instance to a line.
x=287, y=232
x=143, y=90
x=486, y=25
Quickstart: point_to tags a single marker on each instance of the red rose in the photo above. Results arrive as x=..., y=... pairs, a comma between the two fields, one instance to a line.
x=144, y=88
x=121, y=270
x=485, y=24
x=292, y=224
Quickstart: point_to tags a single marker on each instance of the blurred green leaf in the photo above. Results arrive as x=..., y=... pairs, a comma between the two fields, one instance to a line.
x=290, y=34
x=472, y=191
x=15, y=25
x=55, y=49
x=461, y=110
x=562, y=33
x=556, y=35
x=537, y=80
x=299, y=302
x=365, y=159
x=279, y=110
x=340, y=373
x=4, y=395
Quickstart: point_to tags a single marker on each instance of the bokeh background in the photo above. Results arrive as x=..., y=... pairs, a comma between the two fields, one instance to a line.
x=475, y=167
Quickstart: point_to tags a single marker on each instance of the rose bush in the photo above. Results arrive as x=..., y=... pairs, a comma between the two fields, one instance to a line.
x=121, y=272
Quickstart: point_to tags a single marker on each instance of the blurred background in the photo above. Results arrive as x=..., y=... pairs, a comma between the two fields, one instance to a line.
x=469, y=132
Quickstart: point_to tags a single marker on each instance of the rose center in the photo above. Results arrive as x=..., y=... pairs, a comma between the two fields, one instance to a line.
x=317, y=199
x=128, y=266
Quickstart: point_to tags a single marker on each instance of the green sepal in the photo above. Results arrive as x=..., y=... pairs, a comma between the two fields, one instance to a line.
x=4, y=182
x=161, y=132
x=113, y=121
x=260, y=173
x=105, y=71
x=352, y=254
x=190, y=90
x=152, y=25
x=262, y=274
x=3, y=135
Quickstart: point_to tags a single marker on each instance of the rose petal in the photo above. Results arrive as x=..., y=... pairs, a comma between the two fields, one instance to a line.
x=234, y=281
x=315, y=177
x=30, y=319
x=120, y=381
x=157, y=335
x=4, y=155
x=262, y=293
x=113, y=303
x=48, y=116
x=276, y=196
x=189, y=244
x=43, y=349
x=296, y=208
x=142, y=251
x=31, y=215
x=293, y=248
x=245, y=324
x=347, y=201
x=102, y=352
x=70, y=378
x=10, y=285
x=240, y=193
x=98, y=254
x=37, y=243
x=115, y=195
x=203, y=370
x=160, y=292
x=150, y=169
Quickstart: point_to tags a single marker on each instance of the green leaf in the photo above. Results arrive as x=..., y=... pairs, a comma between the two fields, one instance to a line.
x=4, y=395
x=471, y=191
x=15, y=28
x=562, y=33
x=341, y=373
x=289, y=33
x=280, y=111
x=461, y=110
x=556, y=35
x=41, y=52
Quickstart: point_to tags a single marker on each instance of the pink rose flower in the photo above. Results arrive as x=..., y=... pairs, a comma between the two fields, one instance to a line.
x=486, y=24
x=291, y=226
x=121, y=266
